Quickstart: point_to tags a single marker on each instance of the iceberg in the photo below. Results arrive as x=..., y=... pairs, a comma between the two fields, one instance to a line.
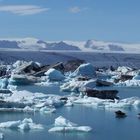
x=54, y=75
x=75, y=86
x=47, y=110
x=69, y=103
x=96, y=102
x=63, y=125
x=61, y=121
x=1, y=136
x=4, y=83
x=71, y=129
x=86, y=70
x=129, y=83
x=26, y=124
x=124, y=69
x=22, y=79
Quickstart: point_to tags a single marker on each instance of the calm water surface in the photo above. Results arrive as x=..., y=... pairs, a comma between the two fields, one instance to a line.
x=105, y=125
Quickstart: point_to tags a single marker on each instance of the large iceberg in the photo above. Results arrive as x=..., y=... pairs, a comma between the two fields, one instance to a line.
x=85, y=70
x=54, y=75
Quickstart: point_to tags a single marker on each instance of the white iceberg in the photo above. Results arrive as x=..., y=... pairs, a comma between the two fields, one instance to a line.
x=1, y=136
x=71, y=129
x=85, y=70
x=129, y=83
x=54, y=75
x=47, y=110
x=63, y=125
x=124, y=69
x=61, y=121
x=75, y=86
x=96, y=102
x=4, y=83
x=26, y=124
x=69, y=103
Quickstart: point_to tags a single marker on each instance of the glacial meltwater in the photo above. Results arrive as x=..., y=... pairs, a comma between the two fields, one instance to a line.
x=105, y=126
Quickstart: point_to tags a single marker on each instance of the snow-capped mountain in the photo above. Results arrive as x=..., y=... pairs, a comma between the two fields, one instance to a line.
x=98, y=45
x=35, y=44
x=102, y=46
x=89, y=45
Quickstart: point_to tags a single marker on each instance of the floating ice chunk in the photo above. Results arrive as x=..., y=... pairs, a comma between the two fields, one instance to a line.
x=18, y=63
x=84, y=70
x=54, y=75
x=22, y=79
x=40, y=105
x=124, y=69
x=47, y=110
x=129, y=83
x=137, y=77
x=27, y=120
x=63, y=125
x=69, y=103
x=10, y=124
x=56, y=129
x=28, y=109
x=26, y=124
x=75, y=86
x=1, y=136
x=61, y=121
x=54, y=101
x=95, y=102
x=71, y=129
x=4, y=83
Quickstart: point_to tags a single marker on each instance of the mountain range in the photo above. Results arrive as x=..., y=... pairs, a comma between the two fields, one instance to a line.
x=89, y=45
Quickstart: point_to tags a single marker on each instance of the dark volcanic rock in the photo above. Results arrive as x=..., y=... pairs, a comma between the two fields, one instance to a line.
x=120, y=114
x=58, y=66
x=101, y=83
x=126, y=77
x=102, y=94
x=72, y=65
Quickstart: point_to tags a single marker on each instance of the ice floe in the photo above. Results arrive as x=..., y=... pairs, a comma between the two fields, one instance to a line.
x=63, y=125
x=75, y=86
x=26, y=124
x=95, y=102
x=1, y=136
x=47, y=110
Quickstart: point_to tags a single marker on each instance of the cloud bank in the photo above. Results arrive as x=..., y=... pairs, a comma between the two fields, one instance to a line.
x=23, y=9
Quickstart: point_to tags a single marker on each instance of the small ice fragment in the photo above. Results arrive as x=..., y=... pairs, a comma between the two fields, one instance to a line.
x=1, y=136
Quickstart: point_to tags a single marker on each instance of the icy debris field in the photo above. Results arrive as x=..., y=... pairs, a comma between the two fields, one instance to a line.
x=30, y=88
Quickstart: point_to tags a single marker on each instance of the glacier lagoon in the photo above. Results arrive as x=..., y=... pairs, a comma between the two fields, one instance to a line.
x=103, y=121
x=55, y=94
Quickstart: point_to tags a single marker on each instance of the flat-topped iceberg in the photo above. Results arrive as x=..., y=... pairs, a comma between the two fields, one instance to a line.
x=71, y=129
x=96, y=102
x=63, y=125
